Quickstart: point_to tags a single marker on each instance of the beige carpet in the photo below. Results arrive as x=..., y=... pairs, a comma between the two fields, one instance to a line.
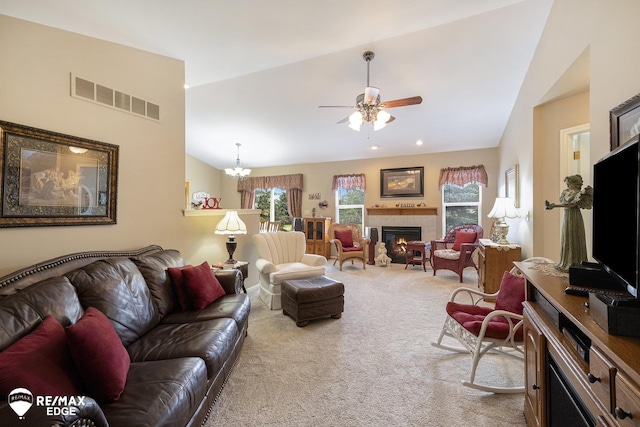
x=373, y=367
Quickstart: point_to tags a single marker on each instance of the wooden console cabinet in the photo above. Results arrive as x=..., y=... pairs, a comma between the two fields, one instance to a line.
x=602, y=370
x=317, y=232
x=493, y=261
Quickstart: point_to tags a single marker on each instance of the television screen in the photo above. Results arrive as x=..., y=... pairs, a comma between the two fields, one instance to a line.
x=615, y=214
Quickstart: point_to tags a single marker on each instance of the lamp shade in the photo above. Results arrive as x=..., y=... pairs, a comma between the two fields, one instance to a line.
x=231, y=224
x=504, y=208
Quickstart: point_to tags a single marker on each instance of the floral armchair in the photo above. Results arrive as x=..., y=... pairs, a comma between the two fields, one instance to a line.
x=453, y=252
x=349, y=243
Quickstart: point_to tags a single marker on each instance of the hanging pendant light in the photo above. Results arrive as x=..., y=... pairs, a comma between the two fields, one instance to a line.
x=237, y=171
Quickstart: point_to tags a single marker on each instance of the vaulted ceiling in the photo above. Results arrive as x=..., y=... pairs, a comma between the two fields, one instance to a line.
x=258, y=70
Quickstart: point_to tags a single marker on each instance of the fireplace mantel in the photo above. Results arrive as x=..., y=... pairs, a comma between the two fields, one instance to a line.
x=402, y=211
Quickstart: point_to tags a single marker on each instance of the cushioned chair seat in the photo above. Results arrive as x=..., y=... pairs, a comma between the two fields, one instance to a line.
x=472, y=316
x=183, y=388
x=447, y=254
x=295, y=270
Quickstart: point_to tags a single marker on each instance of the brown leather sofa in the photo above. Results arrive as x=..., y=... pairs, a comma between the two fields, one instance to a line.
x=180, y=360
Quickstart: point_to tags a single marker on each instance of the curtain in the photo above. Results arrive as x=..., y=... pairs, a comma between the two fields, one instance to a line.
x=349, y=182
x=292, y=184
x=463, y=175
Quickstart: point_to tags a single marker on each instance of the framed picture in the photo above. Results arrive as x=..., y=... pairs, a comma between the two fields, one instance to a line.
x=53, y=179
x=511, y=185
x=402, y=182
x=624, y=121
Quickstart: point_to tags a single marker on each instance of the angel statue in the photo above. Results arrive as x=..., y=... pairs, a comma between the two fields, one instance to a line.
x=573, y=241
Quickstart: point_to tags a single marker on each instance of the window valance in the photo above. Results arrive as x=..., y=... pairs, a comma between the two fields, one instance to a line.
x=349, y=182
x=463, y=175
x=283, y=182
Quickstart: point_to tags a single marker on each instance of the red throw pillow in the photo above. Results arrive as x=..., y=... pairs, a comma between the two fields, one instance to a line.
x=178, y=284
x=345, y=237
x=99, y=356
x=40, y=362
x=202, y=285
x=463, y=237
x=511, y=295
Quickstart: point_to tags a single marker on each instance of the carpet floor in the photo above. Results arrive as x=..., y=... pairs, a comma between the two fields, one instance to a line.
x=373, y=367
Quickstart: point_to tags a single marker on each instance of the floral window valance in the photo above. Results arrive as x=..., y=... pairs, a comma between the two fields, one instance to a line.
x=463, y=175
x=349, y=182
x=283, y=182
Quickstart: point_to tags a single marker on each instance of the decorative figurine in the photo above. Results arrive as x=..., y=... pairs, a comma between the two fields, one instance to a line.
x=573, y=241
x=382, y=260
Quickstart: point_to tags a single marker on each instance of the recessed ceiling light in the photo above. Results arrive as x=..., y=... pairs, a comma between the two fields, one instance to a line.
x=419, y=142
x=374, y=147
x=186, y=86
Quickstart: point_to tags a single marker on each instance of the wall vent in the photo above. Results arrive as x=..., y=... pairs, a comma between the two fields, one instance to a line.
x=103, y=95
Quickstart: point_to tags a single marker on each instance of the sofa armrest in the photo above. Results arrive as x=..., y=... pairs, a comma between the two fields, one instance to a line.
x=231, y=280
x=88, y=413
x=313, y=259
x=265, y=266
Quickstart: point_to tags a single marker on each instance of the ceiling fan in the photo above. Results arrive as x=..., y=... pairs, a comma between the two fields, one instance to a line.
x=368, y=106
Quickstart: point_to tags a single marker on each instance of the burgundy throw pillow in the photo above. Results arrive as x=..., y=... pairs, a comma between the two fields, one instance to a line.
x=202, y=285
x=511, y=293
x=99, y=356
x=345, y=237
x=178, y=284
x=463, y=237
x=40, y=362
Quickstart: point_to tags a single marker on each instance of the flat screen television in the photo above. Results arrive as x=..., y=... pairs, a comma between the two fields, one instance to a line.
x=616, y=203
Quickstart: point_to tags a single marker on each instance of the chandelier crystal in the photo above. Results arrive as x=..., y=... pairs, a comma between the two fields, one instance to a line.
x=237, y=171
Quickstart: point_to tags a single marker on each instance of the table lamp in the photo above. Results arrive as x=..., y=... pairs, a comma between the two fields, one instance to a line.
x=231, y=225
x=503, y=208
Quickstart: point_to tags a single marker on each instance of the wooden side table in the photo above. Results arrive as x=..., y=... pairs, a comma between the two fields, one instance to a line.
x=416, y=253
x=493, y=261
x=243, y=266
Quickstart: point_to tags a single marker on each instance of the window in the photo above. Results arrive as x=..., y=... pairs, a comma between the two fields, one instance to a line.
x=273, y=203
x=461, y=205
x=350, y=206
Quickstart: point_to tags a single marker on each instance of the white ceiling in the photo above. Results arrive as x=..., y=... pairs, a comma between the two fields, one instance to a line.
x=258, y=70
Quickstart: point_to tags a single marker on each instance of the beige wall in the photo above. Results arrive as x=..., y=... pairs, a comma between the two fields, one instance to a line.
x=318, y=178
x=609, y=32
x=35, y=91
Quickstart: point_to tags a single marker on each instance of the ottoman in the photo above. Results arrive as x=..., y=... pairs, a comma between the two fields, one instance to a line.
x=312, y=298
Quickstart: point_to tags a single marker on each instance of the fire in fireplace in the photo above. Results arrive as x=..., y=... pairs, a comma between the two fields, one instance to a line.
x=395, y=239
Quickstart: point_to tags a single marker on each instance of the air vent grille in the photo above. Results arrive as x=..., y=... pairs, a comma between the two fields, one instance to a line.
x=103, y=95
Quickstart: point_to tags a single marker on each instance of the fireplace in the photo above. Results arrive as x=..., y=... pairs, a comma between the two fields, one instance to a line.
x=395, y=239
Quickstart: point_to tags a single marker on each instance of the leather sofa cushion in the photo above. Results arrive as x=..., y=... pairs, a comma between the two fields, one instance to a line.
x=116, y=287
x=154, y=270
x=236, y=307
x=22, y=312
x=211, y=340
x=163, y=393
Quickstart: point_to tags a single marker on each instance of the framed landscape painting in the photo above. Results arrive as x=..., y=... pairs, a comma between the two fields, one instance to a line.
x=402, y=182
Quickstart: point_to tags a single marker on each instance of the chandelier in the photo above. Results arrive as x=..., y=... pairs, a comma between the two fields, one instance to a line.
x=237, y=171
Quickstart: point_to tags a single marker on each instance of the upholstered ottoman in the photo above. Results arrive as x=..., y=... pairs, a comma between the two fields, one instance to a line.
x=313, y=298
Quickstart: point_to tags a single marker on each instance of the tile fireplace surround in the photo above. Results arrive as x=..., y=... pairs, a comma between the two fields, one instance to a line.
x=405, y=217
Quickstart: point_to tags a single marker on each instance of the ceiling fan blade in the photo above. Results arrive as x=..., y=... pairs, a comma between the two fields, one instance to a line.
x=346, y=119
x=336, y=106
x=402, y=102
x=391, y=119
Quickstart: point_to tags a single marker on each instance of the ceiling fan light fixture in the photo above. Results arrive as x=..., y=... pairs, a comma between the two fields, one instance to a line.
x=355, y=120
x=381, y=120
x=371, y=95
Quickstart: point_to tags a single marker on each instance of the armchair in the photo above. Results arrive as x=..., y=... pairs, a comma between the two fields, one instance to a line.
x=349, y=243
x=281, y=256
x=453, y=252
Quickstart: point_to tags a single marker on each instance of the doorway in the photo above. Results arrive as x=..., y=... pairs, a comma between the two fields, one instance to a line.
x=575, y=159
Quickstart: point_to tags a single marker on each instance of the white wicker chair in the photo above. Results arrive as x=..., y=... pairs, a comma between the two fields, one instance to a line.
x=491, y=335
